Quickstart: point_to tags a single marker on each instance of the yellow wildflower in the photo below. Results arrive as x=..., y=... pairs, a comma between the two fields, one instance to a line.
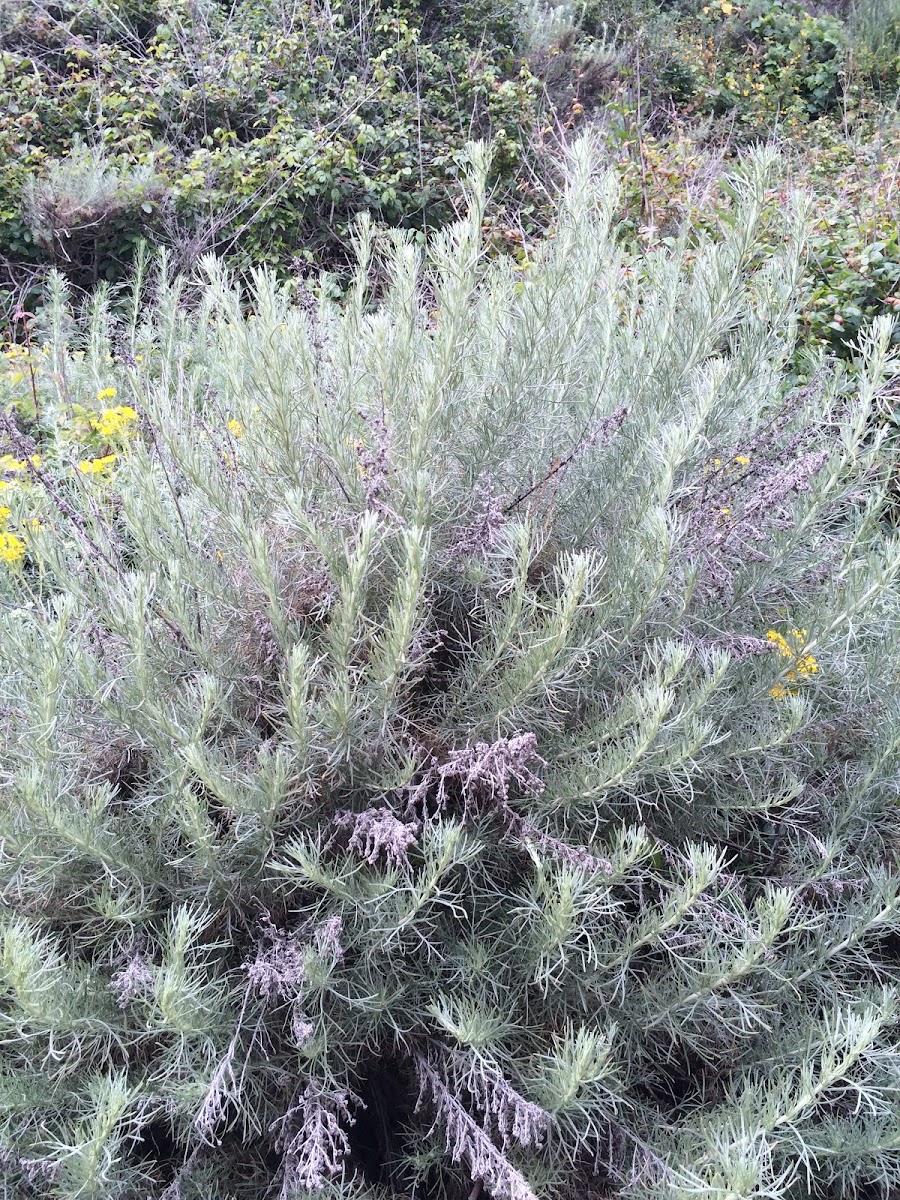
x=742, y=459
x=115, y=421
x=8, y=463
x=236, y=427
x=12, y=549
x=792, y=647
x=96, y=466
x=4, y=513
x=106, y=393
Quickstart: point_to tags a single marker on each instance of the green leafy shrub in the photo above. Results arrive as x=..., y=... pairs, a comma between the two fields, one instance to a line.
x=454, y=740
x=656, y=78
x=752, y=66
x=854, y=249
x=268, y=126
x=762, y=61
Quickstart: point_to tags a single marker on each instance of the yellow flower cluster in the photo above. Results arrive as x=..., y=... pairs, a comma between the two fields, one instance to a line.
x=235, y=427
x=12, y=548
x=115, y=422
x=18, y=357
x=97, y=466
x=110, y=423
x=8, y=463
x=792, y=647
x=741, y=459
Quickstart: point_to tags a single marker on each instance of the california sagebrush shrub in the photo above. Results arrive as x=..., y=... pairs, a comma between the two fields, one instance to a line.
x=450, y=746
x=87, y=215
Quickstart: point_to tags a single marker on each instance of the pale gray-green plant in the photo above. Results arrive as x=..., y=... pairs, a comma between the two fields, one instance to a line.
x=72, y=206
x=403, y=793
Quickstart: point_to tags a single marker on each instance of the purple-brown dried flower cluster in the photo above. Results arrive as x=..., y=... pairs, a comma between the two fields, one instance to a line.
x=135, y=979
x=311, y=1139
x=466, y=1140
x=279, y=969
x=744, y=497
x=507, y=1114
x=375, y=464
x=379, y=834
x=328, y=939
x=487, y=769
x=487, y=520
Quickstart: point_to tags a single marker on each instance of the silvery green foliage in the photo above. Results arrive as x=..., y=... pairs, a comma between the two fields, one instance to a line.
x=402, y=794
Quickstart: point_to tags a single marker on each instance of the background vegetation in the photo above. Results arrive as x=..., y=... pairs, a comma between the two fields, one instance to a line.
x=255, y=128
x=259, y=128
